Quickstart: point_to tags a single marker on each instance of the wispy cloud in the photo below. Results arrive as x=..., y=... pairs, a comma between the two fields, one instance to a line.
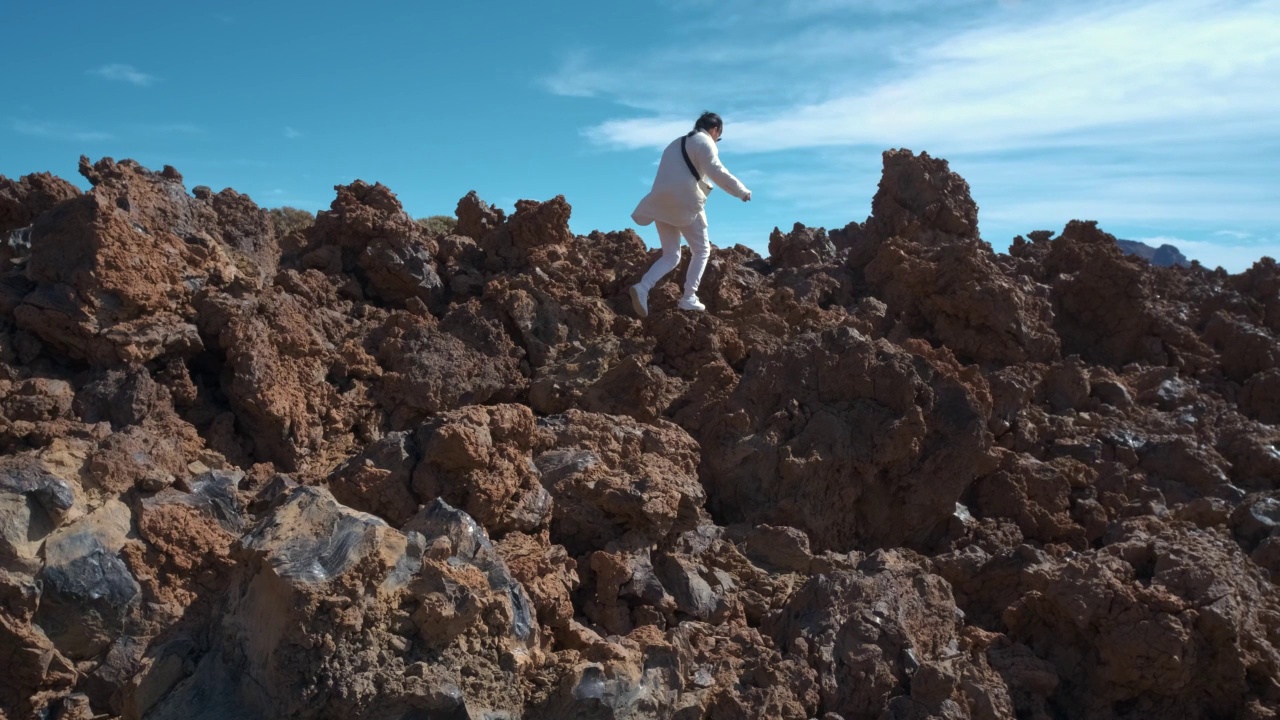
x=806, y=8
x=1110, y=74
x=170, y=128
x=756, y=69
x=1233, y=234
x=1159, y=71
x=291, y=134
x=281, y=197
x=58, y=131
x=124, y=73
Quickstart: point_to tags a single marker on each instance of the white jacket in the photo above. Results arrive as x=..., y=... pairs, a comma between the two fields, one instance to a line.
x=676, y=197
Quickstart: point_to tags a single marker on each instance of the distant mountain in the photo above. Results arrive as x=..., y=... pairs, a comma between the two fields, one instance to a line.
x=1164, y=256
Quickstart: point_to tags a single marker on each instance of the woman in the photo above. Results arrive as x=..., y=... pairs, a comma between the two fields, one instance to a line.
x=675, y=205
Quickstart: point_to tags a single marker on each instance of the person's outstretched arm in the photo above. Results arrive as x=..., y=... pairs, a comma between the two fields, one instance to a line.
x=707, y=160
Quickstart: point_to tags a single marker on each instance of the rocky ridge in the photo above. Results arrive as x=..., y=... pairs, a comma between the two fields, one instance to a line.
x=359, y=470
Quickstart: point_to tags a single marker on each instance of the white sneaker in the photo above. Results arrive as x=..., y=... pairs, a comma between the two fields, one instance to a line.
x=639, y=302
x=691, y=303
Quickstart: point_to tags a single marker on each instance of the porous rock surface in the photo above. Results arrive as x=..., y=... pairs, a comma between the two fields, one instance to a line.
x=367, y=471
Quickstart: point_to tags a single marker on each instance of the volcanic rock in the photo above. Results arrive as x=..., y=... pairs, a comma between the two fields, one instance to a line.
x=802, y=246
x=367, y=233
x=840, y=435
x=611, y=477
x=33, y=503
x=31, y=196
x=87, y=590
x=21, y=203
x=481, y=459
x=367, y=470
x=115, y=269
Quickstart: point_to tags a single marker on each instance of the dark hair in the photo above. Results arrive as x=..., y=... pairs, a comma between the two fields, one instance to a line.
x=707, y=121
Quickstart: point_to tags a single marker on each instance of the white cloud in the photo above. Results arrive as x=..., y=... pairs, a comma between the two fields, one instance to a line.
x=124, y=73
x=1112, y=190
x=291, y=133
x=1108, y=75
x=1233, y=234
x=638, y=133
x=58, y=131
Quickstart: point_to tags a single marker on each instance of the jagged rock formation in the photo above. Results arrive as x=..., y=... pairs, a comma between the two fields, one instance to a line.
x=365, y=471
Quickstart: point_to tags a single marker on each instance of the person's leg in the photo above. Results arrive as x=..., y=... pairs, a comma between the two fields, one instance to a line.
x=700, y=249
x=670, y=237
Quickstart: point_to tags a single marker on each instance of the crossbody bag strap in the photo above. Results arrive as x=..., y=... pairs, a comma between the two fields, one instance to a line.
x=687, y=161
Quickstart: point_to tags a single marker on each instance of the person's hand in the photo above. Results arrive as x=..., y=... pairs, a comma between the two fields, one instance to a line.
x=747, y=197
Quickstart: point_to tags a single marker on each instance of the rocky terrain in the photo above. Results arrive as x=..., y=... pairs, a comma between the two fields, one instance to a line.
x=361, y=471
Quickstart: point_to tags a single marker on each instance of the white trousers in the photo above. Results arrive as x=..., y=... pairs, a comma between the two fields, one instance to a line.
x=699, y=246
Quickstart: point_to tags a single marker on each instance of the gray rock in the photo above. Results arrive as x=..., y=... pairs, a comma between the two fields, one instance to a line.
x=644, y=587
x=401, y=268
x=556, y=465
x=88, y=593
x=693, y=595
x=15, y=246
x=1257, y=518
x=211, y=692
x=122, y=397
x=116, y=671
x=310, y=538
x=212, y=493
x=22, y=524
x=272, y=494
x=780, y=549
x=379, y=479
x=471, y=545
x=310, y=548
x=1113, y=393
x=1173, y=394
x=28, y=476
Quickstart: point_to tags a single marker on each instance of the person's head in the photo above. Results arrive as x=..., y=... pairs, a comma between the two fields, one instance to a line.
x=711, y=123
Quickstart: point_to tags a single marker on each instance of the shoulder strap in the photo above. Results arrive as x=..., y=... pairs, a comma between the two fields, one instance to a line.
x=687, y=161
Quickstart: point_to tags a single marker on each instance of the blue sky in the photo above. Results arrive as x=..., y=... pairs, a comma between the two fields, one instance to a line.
x=1159, y=118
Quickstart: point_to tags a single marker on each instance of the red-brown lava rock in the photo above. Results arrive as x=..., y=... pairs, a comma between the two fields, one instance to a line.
x=370, y=471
